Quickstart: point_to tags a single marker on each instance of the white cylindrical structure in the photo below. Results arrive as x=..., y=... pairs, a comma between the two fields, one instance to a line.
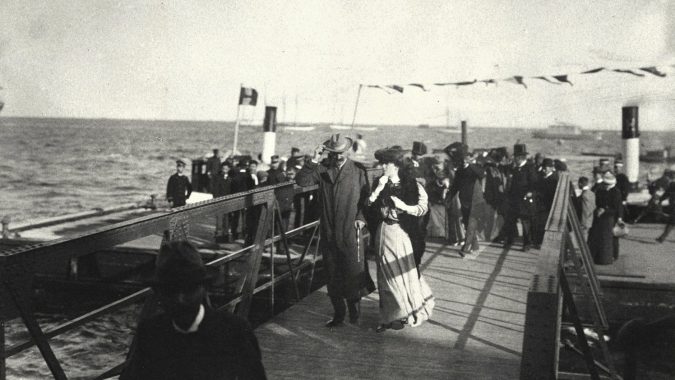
x=631, y=143
x=269, y=134
x=631, y=150
x=269, y=144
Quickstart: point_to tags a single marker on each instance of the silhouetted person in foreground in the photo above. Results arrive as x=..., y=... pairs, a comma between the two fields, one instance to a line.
x=189, y=340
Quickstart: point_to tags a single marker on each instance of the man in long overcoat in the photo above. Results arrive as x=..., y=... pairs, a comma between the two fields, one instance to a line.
x=343, y=192
x=522, y=182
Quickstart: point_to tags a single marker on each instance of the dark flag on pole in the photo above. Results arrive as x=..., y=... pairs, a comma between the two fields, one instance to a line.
x=248, y=96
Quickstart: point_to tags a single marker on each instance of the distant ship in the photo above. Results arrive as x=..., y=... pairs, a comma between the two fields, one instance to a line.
x=560, y=131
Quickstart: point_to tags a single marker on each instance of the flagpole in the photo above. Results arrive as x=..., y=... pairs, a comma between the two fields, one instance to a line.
x=356, y=106
x=236, y=123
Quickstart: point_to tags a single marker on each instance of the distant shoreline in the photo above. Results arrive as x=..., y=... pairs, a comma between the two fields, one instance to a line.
x=115, y=121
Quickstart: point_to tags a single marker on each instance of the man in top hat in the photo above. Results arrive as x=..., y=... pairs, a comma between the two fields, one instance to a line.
x=343, y=193
x=467, y=184
x=275, y=173
x=545, y=192
x=189, y=340
x=520, y=197
x=178, y=189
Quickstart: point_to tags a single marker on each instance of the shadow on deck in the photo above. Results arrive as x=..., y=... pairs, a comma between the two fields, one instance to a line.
x=476, y=330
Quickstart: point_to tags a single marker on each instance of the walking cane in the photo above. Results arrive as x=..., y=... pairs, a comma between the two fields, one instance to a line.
x=358, y=244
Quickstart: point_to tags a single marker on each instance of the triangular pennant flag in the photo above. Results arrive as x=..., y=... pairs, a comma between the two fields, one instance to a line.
x=517, y=79
x=563, y=79
x=653, y=70
x=631, y=72
x=547, y=80
x=488, y=81
x=418, y=85
x=396, y=87
x=380, y=87
x=443, y=84
x=467, y=83
x=593, y=71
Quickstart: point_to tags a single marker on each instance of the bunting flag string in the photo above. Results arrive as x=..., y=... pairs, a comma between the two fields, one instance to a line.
x=521, y=80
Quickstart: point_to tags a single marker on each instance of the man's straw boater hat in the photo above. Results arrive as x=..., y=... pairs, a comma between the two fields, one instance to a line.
x=338, y=144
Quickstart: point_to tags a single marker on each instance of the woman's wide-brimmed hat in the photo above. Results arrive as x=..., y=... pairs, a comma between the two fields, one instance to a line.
x=609, y=178
x=338, y=143
x=390, y=154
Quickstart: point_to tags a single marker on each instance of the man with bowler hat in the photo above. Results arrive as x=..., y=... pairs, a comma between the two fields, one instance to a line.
x=520, y=197
x=189, y=340
x=343, y=193
x=178, y=189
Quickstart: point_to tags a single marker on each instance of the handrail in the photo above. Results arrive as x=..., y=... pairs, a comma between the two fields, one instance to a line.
x=544, y=301
x=16, y=265
x=550, y=291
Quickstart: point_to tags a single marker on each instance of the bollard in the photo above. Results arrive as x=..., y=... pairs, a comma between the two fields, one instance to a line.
x=5, y=226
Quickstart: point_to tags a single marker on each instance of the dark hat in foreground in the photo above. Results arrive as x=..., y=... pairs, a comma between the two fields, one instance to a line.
x=547, y=163
x=520, y=150
x=180, y=264
x=390, y=154
x=456, y=150
x=419, y=148
x=560, y=165
x=338, y=144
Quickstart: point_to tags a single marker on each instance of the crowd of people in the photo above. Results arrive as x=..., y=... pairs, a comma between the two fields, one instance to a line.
x=452, y=193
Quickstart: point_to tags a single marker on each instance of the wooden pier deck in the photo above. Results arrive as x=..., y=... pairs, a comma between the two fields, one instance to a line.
x=476, y=331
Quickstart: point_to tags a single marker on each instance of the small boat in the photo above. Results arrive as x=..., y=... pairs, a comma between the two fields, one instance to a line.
x=366, y=128
x=562, y=131
x=340, y=127
x=302, y=129
x=659, y=155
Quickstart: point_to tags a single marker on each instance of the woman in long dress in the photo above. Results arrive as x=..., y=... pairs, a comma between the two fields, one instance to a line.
x=405, y=298
x=604, y=246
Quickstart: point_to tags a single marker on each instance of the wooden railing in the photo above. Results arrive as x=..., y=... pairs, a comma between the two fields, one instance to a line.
x=564, y=254
x=17, y=266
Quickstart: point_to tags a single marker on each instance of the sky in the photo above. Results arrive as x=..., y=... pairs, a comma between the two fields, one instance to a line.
x=187, y=60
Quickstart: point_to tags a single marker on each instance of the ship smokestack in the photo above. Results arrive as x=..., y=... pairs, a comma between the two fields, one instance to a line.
x=269, y=133
x=631, y=143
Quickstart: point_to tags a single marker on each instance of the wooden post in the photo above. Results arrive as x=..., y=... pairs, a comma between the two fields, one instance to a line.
x=3, y=371
x=465, y=137
x=356, y=106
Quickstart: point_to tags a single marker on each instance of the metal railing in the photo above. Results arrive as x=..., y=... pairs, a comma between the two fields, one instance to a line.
x=17, y=265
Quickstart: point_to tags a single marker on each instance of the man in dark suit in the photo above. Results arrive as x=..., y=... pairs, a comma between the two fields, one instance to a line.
x=343, y=193
x=420, y=172
x=275, y=174
x=189, y=340
x=179, y=188
x=545, y=192
x=467, y=184
x=522, y=181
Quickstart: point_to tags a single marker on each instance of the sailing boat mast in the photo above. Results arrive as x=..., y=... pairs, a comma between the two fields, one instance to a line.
x=295, y=122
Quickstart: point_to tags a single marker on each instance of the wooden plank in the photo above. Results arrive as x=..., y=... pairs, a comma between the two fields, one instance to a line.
x=476, y=330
